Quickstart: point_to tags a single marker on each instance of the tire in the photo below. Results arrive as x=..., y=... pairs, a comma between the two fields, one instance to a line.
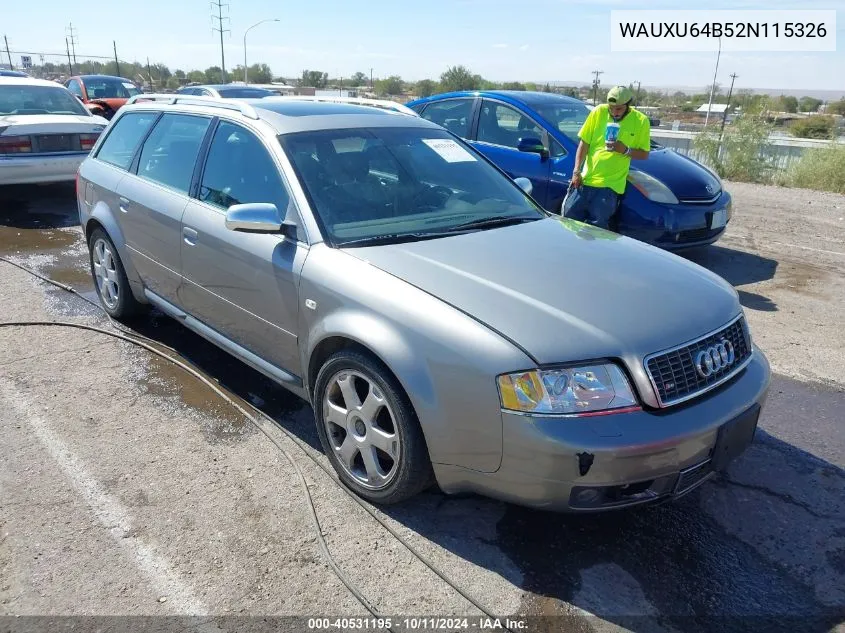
x=346, y=430
x=110, y=278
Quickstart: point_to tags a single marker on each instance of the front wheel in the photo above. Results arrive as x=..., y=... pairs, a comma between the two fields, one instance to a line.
x=369, y=430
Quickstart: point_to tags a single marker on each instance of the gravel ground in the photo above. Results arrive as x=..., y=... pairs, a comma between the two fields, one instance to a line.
x=127, y=487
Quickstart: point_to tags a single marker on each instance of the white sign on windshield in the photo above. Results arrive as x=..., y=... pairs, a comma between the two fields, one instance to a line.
x=449, y=150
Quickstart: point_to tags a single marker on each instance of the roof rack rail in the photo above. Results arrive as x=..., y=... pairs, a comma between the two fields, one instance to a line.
x=227, y=104
x=384, y=104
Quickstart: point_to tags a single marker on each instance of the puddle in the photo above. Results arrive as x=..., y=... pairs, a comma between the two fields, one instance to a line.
x=21, y=241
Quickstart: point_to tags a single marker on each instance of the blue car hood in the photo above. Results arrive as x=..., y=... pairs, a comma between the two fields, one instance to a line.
x=687, y=179
x=563, y=290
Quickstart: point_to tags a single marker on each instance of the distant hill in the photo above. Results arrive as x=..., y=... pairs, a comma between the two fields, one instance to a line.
x=824, y=95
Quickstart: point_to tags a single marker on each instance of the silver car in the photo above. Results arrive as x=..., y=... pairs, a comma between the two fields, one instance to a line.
x=443, y=327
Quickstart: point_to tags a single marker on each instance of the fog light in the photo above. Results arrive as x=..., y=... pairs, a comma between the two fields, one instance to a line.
x=588, y=495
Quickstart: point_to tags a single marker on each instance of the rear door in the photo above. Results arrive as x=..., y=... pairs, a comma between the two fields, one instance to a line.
x=500, y=129
x=152, y=201
x=243, y=285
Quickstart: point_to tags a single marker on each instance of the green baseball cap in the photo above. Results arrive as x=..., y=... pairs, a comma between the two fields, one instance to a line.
x=619, y=95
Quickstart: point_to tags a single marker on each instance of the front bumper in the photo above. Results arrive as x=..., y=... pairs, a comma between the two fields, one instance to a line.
x=40, y=169
x=613, y=461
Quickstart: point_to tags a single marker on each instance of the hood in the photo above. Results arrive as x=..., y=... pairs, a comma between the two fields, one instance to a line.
x=59, y=123
x=564, y=291
x=687, y=179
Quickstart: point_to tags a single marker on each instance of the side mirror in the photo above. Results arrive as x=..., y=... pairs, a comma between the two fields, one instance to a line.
x=524, y=184
x=258, y=217
x=533, y=145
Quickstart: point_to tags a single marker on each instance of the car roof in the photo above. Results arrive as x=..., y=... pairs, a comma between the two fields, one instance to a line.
x=103, y=77
x=29, y=81
x=288, y=115
x=519, y=96
x=12, y=73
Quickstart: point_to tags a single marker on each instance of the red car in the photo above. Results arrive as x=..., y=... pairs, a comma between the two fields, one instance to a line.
x=102, y=94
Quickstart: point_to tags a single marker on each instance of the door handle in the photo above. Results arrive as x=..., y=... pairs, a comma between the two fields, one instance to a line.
x=123, y=204
x=189, y=235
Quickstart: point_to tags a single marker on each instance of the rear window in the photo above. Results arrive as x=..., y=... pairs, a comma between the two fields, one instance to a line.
x=243, y=93
x=124, y=137
x=23, y=99
x=107, y=88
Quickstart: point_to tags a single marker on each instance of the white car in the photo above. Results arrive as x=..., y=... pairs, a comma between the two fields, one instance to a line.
x=45, y=131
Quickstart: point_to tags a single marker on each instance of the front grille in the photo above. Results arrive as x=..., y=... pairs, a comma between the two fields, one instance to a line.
x=692, y=476
x=674, y=373
x=707, y=200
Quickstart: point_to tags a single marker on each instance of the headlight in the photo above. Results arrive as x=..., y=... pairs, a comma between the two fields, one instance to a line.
x=651, y=187
x=571, y=390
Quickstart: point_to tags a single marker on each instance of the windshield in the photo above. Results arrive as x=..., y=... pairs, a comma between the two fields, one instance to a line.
x=23, y=99
x=107, y=88
x=377, y=184
x=568, y=117
x=243, y=93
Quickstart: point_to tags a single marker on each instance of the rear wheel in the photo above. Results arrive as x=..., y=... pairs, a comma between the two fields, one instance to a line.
x=110, y=277
x=369, y=430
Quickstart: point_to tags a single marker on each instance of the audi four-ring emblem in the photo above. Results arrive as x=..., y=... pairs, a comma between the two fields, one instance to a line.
x=715, y=358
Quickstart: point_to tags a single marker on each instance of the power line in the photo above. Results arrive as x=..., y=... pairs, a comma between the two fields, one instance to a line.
x=219, y=17
x=43, y=54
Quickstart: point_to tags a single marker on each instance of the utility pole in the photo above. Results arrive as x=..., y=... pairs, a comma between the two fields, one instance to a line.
x=150, y=73
x=638, y=93
x=72, y=41
x=8, y=54
x=219, y=17
x=371, y=79
x=116, y=63
x=596, y=85
x=713, y=86
x=725, y=113
x=69, y=64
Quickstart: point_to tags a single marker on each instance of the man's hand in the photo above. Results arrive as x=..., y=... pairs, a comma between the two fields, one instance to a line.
x=618, y=146
x=577, y=181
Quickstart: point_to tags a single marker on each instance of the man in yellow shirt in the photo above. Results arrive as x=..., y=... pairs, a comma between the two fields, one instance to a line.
x=613, y=135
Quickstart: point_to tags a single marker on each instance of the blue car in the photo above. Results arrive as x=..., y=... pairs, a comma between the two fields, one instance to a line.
x=671, y=201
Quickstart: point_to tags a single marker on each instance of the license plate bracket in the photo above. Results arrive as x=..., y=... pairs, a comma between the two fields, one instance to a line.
x=55, y=143
x=734, y=437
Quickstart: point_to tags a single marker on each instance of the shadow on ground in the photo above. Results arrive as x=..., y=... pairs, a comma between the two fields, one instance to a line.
x=739, y=269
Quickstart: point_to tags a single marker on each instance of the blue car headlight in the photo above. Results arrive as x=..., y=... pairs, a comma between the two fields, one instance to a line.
x=592, y=389
x=651, y=187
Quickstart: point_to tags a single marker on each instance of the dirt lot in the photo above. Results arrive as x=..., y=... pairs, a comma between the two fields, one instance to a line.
x=128, y=488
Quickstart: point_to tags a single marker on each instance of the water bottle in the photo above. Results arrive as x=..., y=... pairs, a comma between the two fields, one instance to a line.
x=611, y=133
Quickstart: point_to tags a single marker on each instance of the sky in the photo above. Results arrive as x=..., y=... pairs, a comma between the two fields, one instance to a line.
x=502, y=40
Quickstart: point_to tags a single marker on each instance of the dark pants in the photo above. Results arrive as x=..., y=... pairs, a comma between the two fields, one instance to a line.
x=592, y=205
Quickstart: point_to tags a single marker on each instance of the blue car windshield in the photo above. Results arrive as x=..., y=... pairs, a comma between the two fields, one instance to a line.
x=376, y=184
x=568, y=117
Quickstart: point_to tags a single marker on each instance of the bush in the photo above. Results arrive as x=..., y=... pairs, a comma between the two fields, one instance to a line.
x=813, y=127
x=741, y=154
x=820, y=169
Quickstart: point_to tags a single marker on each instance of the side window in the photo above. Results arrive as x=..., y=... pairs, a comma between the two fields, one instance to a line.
x=453, y=114
x=239, y=169
x=500, y=124
x=170, y=152
x=74, y=87
x=119, y=147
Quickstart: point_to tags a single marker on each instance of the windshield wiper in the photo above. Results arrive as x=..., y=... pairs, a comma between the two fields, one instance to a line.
x=395, y=238
x=485, y=223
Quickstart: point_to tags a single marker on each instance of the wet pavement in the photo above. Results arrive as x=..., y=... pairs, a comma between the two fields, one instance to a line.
x=762, y=548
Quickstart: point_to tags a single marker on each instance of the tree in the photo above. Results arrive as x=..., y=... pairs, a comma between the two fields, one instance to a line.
x=259, y=74
x=547, y=88
x=459, y=78
x=359, y=79
x=809, y=104
x=836, y=107
x=531, y=86
x=213, y=75
x=813, y=127
x=179, y=74
x=570, y=91
x=790, y=104
x=314, y=79
x=196, y=77
x=393, y=85
x=513, y=85
x=425, y=88
x=173, y=83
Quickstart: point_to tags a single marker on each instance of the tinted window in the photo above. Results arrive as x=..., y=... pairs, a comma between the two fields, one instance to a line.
x=170, y=152
x=503, y=125
x=239, y=169
x=371, y=183
x=567, y=117
x=453, y=114
x=24, y=99
x=109, y=88
x=123, y=139
x=75, y=88
x=244, y=93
